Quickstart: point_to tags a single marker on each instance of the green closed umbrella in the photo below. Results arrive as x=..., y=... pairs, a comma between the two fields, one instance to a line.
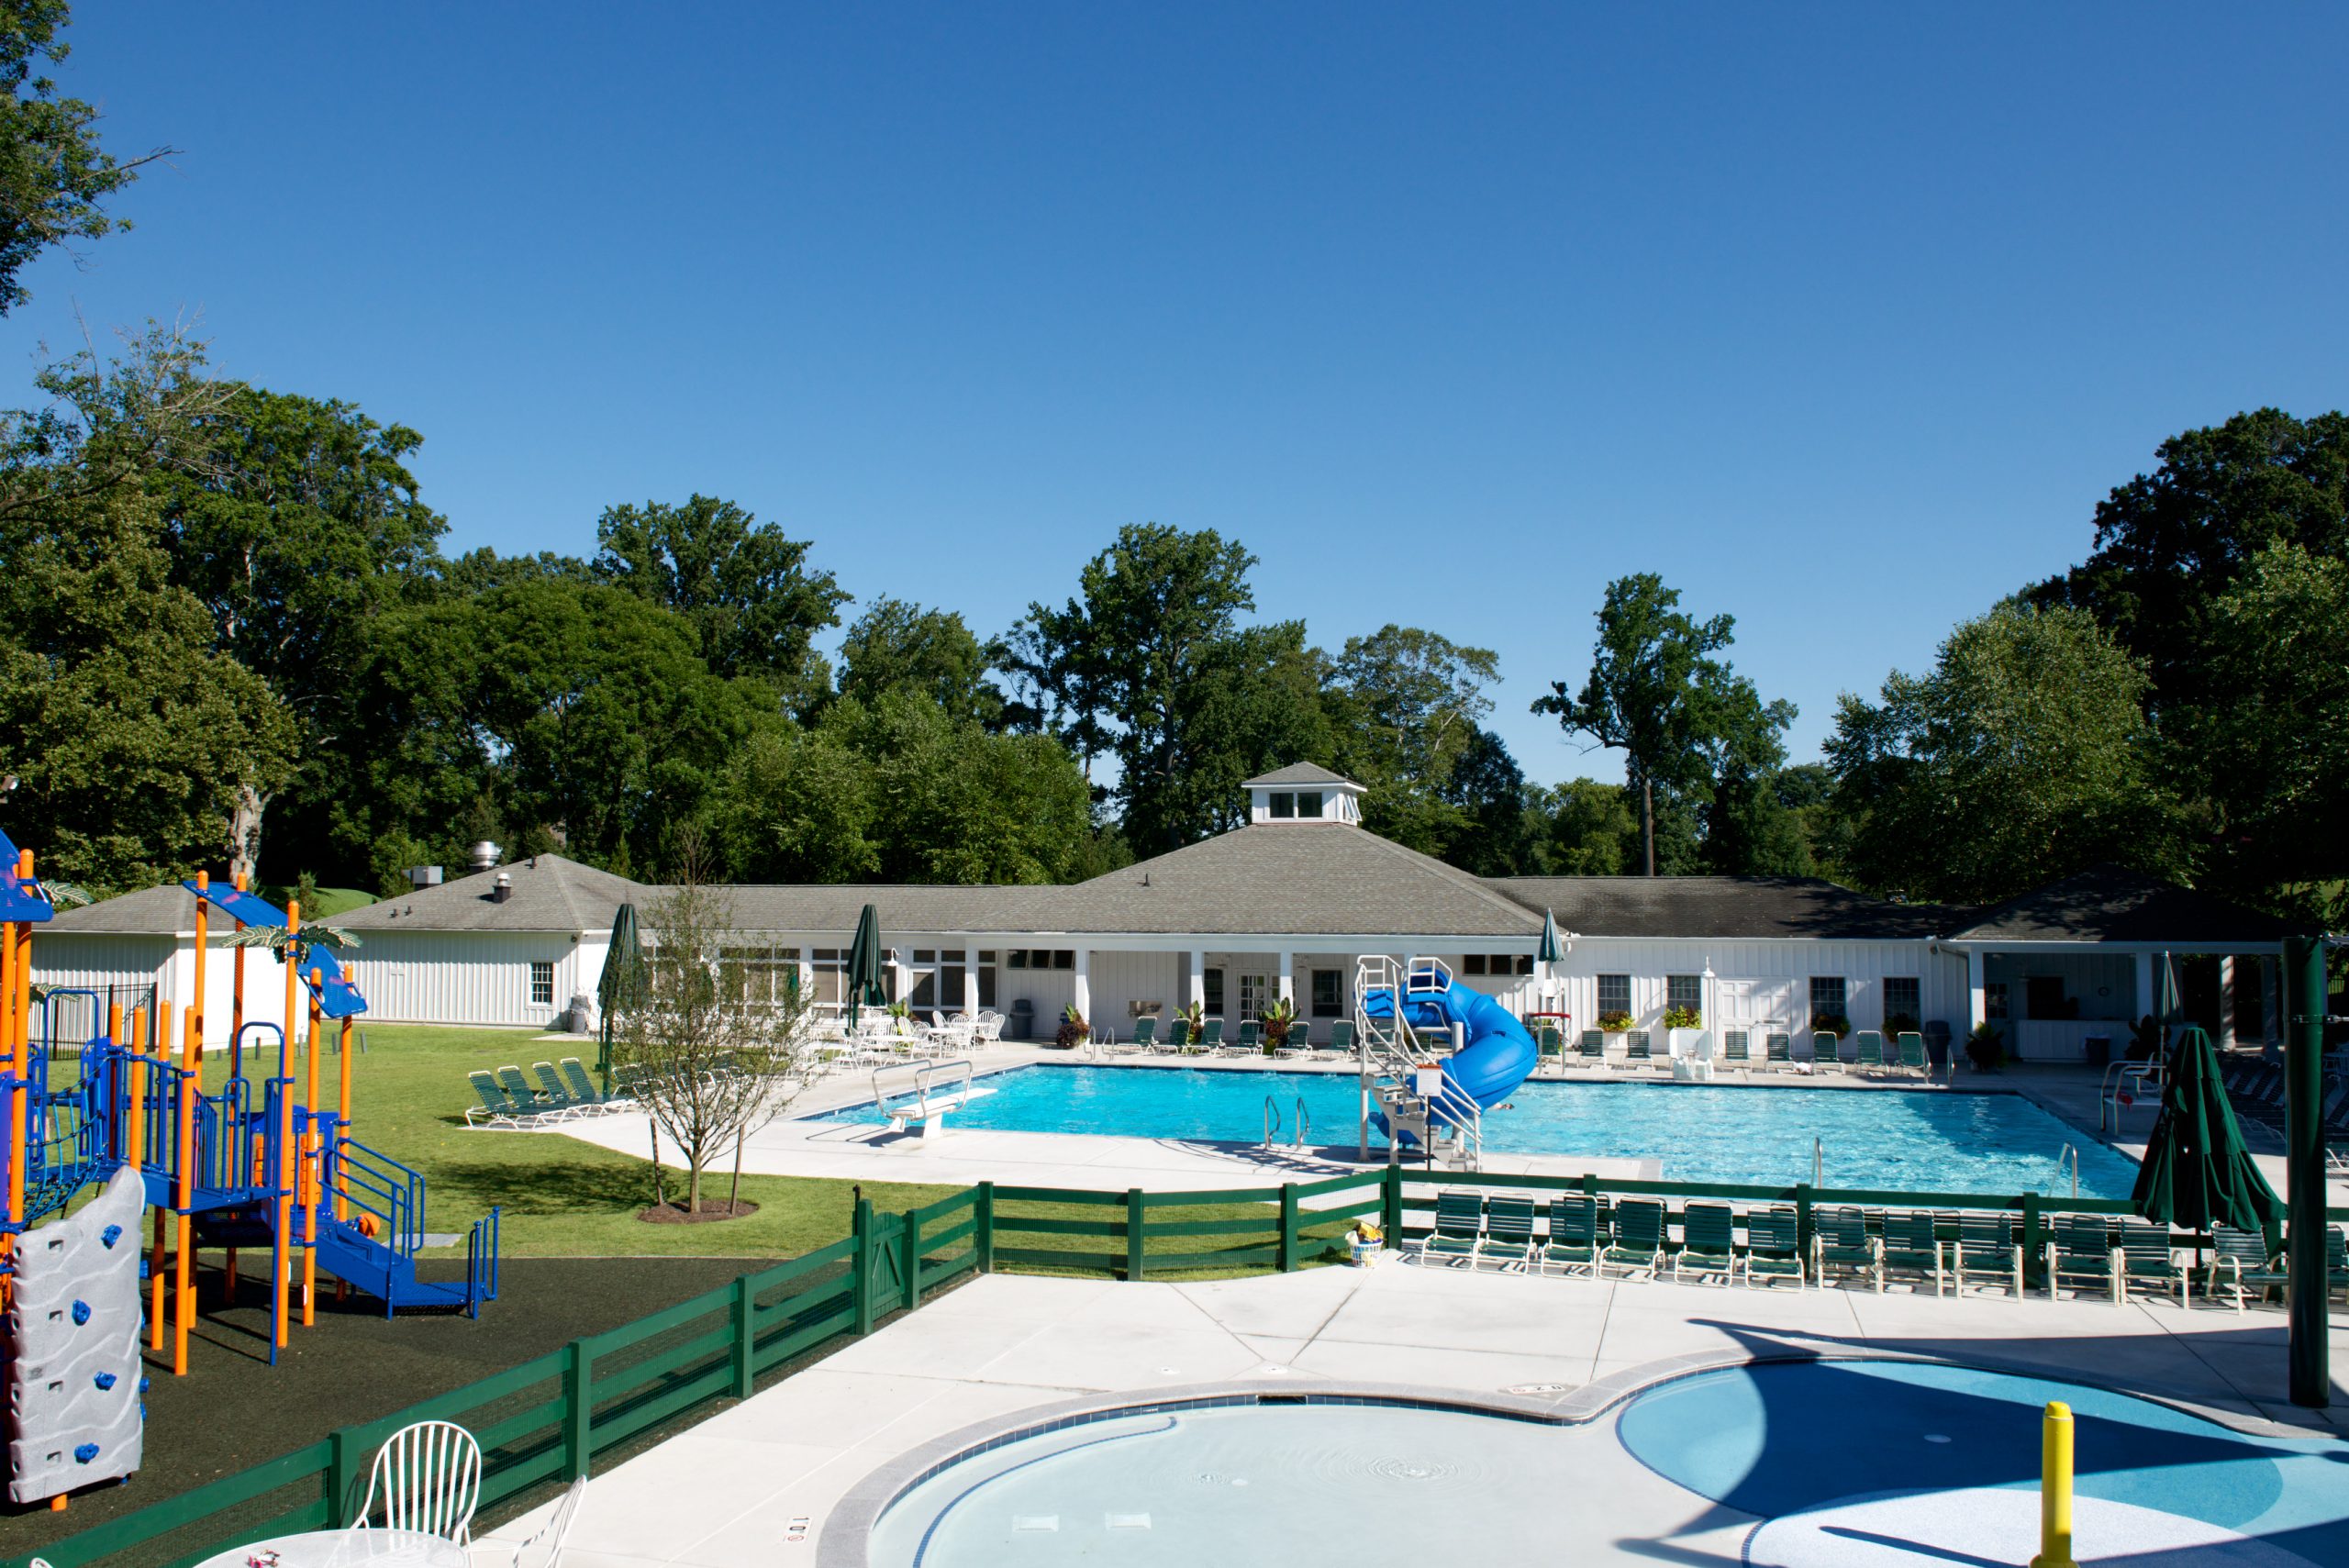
x=1553, y=946
x=865, y=987
x=622, y=985
x=2197, y=1172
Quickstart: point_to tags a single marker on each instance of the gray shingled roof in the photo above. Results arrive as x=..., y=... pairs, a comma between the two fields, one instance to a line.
x=550, y=894
x=1299, y=774
x=165, y=911
x=1717, y=906
x=2108, y=904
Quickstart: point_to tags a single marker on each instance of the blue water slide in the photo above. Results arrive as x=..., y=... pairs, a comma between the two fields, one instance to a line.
x=1497, y=1055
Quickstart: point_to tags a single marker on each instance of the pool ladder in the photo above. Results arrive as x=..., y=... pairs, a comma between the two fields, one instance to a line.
x=1304, y=1123
x=1272, y=1120
x=2070, y=1158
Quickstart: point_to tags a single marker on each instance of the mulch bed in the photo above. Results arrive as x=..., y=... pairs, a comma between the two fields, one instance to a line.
x=712, y=1208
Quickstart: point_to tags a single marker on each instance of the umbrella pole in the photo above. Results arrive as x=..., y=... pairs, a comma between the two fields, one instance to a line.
x=2311, y=1372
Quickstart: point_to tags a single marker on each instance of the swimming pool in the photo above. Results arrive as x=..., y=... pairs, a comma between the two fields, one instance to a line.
x=1781, y=1440
x=1911, y=1140
x=1308, y=1483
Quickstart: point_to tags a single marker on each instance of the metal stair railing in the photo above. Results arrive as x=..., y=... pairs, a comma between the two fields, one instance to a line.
x=1392, y=1050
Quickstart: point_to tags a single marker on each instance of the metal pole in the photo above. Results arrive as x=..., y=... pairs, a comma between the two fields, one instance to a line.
x=2055, y=1488
x=2312, y=1373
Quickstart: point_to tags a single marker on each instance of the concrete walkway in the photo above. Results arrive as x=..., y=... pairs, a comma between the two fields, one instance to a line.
x=743, y=1487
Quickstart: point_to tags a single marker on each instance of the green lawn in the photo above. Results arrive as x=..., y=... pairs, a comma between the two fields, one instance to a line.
x=561, y=1197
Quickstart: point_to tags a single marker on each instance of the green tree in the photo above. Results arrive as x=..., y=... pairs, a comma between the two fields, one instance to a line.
x=2266, y=752
x=2023, y=756
x=895, y=645
x=55, y=177
x=1586, y=828
x=2169, y=543
x=1657, y=694
x=747, y=589
x=1404, y=708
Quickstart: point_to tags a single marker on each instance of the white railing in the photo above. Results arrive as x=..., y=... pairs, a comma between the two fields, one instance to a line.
x=935, y=1088
x=1392, y=1051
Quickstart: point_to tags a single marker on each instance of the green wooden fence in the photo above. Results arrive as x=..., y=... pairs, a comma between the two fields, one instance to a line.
x=552, y=1418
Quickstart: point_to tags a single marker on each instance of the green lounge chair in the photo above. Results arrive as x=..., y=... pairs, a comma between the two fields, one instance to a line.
x=518, y=1089
x=1778, y=1050
x=1773, y=1249
x=1210, y=1039
x=1869, y=1051
x=1549, y=1047
x=1341, y=1037
x=1252, y=1039
x=1825, y=1051
x=2081, y=1248
x=2336, y=1261
x=2240, y=1263
x=1638, y=1244
x=1508, y=1231
x=583, y=1087
x=1708, y=1242
x=1987, y=1246
x=1592, y=1046
x=1636, y=1052
x=558, y=1095
x=1145, y=1035
x=1574, y=1238
x=1178, y=1036
x=1912, y=1047
x=1734, y=1048
x=1912, y=1246
x=1459, y=1228
x=2149, y=1257
x=1840, y=1243
x=497, y=1108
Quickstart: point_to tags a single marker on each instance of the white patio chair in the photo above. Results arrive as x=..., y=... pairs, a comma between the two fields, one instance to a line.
x=990, y=1027
x=429, y=1477
x=552, y=1534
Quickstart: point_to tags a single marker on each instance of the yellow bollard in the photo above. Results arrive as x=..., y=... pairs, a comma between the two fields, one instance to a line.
x=2055, y=1488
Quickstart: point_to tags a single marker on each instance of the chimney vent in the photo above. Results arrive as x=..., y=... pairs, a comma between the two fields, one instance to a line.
x=484, y=855
x=503, y=890
x=424, y=876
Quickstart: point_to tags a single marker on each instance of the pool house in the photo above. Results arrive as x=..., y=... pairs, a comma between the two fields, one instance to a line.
x=1282, y=906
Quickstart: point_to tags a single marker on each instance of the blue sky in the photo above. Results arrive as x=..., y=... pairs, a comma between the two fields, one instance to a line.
x=1842, y=319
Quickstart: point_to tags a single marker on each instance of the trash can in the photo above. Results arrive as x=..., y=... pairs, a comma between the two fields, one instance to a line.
x=1937, y=1044
x=2099, y=1049
x=1020, y=1023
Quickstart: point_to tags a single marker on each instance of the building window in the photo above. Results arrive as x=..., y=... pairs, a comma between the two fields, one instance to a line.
x=1472, y=963
x=830, y=967
x=1614, y=994
x=1903, y=999
x=1212, y=983
x=1019, y=958
x=987, y=977
x=1686, y=991
x=543, y=984
x=1523, y=966
x=1826, y=999
x=923, y=994
x=1283, y=805
x=1994, y=999
x=1308, y=803
x=1329, y=993
x=765, y=975
x=1064, y=958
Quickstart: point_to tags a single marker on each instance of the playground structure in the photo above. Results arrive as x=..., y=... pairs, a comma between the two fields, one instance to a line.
x=255, y=1164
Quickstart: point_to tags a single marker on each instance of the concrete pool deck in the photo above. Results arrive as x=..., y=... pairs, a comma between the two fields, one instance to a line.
x=755, y=1484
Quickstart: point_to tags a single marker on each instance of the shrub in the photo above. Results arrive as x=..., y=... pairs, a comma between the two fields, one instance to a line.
x=1683, y=1019
x=1835, y=1024
x=1986, y=1047
x=1074, y=1029
x=1277, y=1019
x=1898, y=1024
x=1614, y=1023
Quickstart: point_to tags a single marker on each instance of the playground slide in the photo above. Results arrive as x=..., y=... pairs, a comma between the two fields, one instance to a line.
x=1498, y=1054
x=338, y=998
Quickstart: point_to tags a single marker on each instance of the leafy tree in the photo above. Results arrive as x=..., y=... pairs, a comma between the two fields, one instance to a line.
x=132, y=740
x=2170, y=543
x=55, y=177
x=1655, y=693
x=296, y=523
x=745, y=588
x=2023, y=756
x=2266, y=755
x=1405, y=707
x=1488, y=792
x=483, y=570
x=1588, y=828
x=895, y=645
x=1149, y=663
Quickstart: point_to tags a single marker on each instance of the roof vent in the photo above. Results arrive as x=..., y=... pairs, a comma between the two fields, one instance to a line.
x=424, y=876
x=504, y=889
x=484, y=855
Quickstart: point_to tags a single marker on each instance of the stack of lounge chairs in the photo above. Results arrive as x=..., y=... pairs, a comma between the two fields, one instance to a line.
x=564, y=1091
x=2255, y=1089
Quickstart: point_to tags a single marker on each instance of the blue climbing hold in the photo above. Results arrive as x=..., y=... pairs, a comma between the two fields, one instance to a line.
x=143, y=1381
x=80, y=1313
x=105, y=1381
x=110, y=1235
x=86, y=1454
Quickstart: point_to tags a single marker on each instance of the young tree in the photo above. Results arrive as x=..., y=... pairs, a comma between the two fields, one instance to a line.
x=1656, y=694
x=2023, y=756
x=711, y=1051
x=55, y=177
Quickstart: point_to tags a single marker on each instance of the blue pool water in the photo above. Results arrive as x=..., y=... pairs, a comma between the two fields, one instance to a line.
x=1916, y=1141
x=1778, y=1440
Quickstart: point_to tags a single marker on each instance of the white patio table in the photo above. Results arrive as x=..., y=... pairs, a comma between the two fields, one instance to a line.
x=345, y=1549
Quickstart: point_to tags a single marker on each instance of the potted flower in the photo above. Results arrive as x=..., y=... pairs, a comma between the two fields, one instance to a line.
x=1277, y=1019
x=1615, y=1022
x=1074, y=1030
x=1682, y=1025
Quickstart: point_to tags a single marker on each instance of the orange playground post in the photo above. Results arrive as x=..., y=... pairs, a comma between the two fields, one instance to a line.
x=183, y=1281
x=284, y=1281
x=159, y=1030
x=310, y=1161
x=343, y=1121
x=8, y=1065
